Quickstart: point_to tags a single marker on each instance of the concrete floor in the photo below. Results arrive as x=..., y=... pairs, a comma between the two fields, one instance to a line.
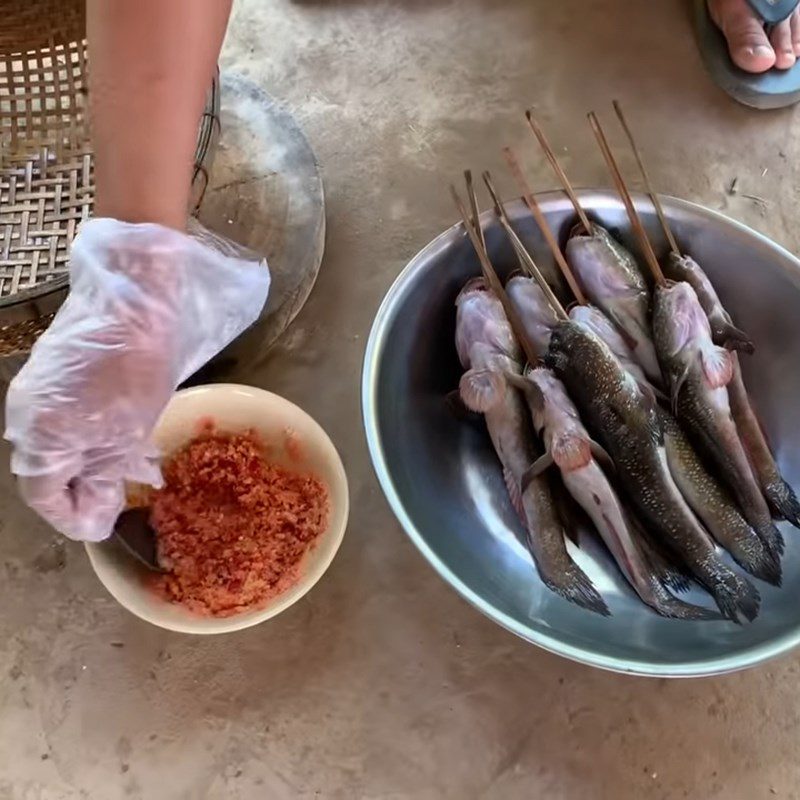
x=383, y=683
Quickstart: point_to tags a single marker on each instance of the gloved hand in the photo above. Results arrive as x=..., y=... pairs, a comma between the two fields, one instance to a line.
x=147, y=307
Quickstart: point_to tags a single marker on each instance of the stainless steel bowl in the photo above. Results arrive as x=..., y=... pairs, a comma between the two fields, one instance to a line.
x=442, y=479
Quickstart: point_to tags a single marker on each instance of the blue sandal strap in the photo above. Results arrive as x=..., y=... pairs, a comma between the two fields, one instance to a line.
x=773, y=11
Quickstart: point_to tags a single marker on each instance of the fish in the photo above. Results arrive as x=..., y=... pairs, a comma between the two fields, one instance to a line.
x=780, y=495
x=488, y=351
x=570, y=448
x=534, y=309
x=624, y=420
x=714, y=506
x=614, y=283
x=594, y=320
x=723, y=331
x=698, y=372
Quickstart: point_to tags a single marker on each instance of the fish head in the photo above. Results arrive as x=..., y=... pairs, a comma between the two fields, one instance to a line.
x=570, y=343
x=605, y=270
x=535, y=312
x=525, y=292
x=587, y=366
x=593, y=319
x=679, y=323
x=683, y=338
x=482, y=327
x=477, y=284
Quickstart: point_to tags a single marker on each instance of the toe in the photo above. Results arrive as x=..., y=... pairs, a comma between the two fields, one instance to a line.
x=781, y=39
x=795, y=25
x=749, y=46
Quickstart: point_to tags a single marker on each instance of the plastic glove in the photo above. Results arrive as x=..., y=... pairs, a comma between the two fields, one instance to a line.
x=147, y=307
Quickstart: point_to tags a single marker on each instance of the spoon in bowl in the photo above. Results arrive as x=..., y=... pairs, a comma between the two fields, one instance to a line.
x=133, y=532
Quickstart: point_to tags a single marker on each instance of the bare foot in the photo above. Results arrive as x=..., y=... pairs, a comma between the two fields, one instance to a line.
x=750, y=46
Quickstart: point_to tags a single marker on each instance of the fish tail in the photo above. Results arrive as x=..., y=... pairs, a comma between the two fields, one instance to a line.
x=771, y=536
x=735, y=596
x=573, y=584
x=783, y=501
x=672, y=574
x=668, y=606
x=759, y=560
x=732, y=338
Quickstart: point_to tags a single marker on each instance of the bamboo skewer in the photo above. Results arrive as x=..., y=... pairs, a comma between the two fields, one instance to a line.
x=494, y=282
x=633, y=215
x=562, y=176
x=533, y=205
x=522, y=251
x=473, y=204
x=673, y=244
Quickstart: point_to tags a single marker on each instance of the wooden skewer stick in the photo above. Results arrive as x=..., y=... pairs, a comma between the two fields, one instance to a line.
x=562, y=176
x=633, y=216
x=473, y=205
x=494, y=282
x=522, y=251
x=673, y=244
x=541, y=221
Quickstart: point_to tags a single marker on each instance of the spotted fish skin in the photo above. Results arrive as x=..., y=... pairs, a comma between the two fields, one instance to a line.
x=624, y=419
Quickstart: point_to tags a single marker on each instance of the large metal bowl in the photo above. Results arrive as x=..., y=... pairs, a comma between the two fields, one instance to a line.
x=442, y=479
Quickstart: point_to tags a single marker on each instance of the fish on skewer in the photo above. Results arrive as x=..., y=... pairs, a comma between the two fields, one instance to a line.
x=535, y=311
x=606, y=272
x=699, y=372
x=613, y=281
x=593, y=319
x=625, y=420
x=781, y=497
x=489, y=352
x=714, y=506
x=724, y=333
x=570, y=448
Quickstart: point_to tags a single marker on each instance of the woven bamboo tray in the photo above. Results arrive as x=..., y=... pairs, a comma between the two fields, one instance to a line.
x=47, y=165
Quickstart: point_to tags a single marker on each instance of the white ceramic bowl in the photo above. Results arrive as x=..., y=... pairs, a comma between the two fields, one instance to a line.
x=233, y=408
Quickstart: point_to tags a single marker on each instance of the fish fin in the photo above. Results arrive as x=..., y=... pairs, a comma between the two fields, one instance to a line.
x=573, y=584
x=783, y=501
x=676, y=384
x=735, y=596
x=760, y=561
x=663, y=603
x=601, y=456
x=515, y=493
x=771, y=536
x=534, y=470
x=533, y=394
x=458, y=408
x=731, y=338
x=571, y=452
x=669, y=571
x=717, y=366
x=481, y=389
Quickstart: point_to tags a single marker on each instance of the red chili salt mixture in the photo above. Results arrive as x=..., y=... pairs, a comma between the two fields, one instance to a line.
x=232, y=528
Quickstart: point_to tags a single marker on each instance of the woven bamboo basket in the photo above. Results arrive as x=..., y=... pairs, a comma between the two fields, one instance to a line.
x=46, y=163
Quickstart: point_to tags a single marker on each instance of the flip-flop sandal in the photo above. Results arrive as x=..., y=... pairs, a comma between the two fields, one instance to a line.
x=773, y=89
